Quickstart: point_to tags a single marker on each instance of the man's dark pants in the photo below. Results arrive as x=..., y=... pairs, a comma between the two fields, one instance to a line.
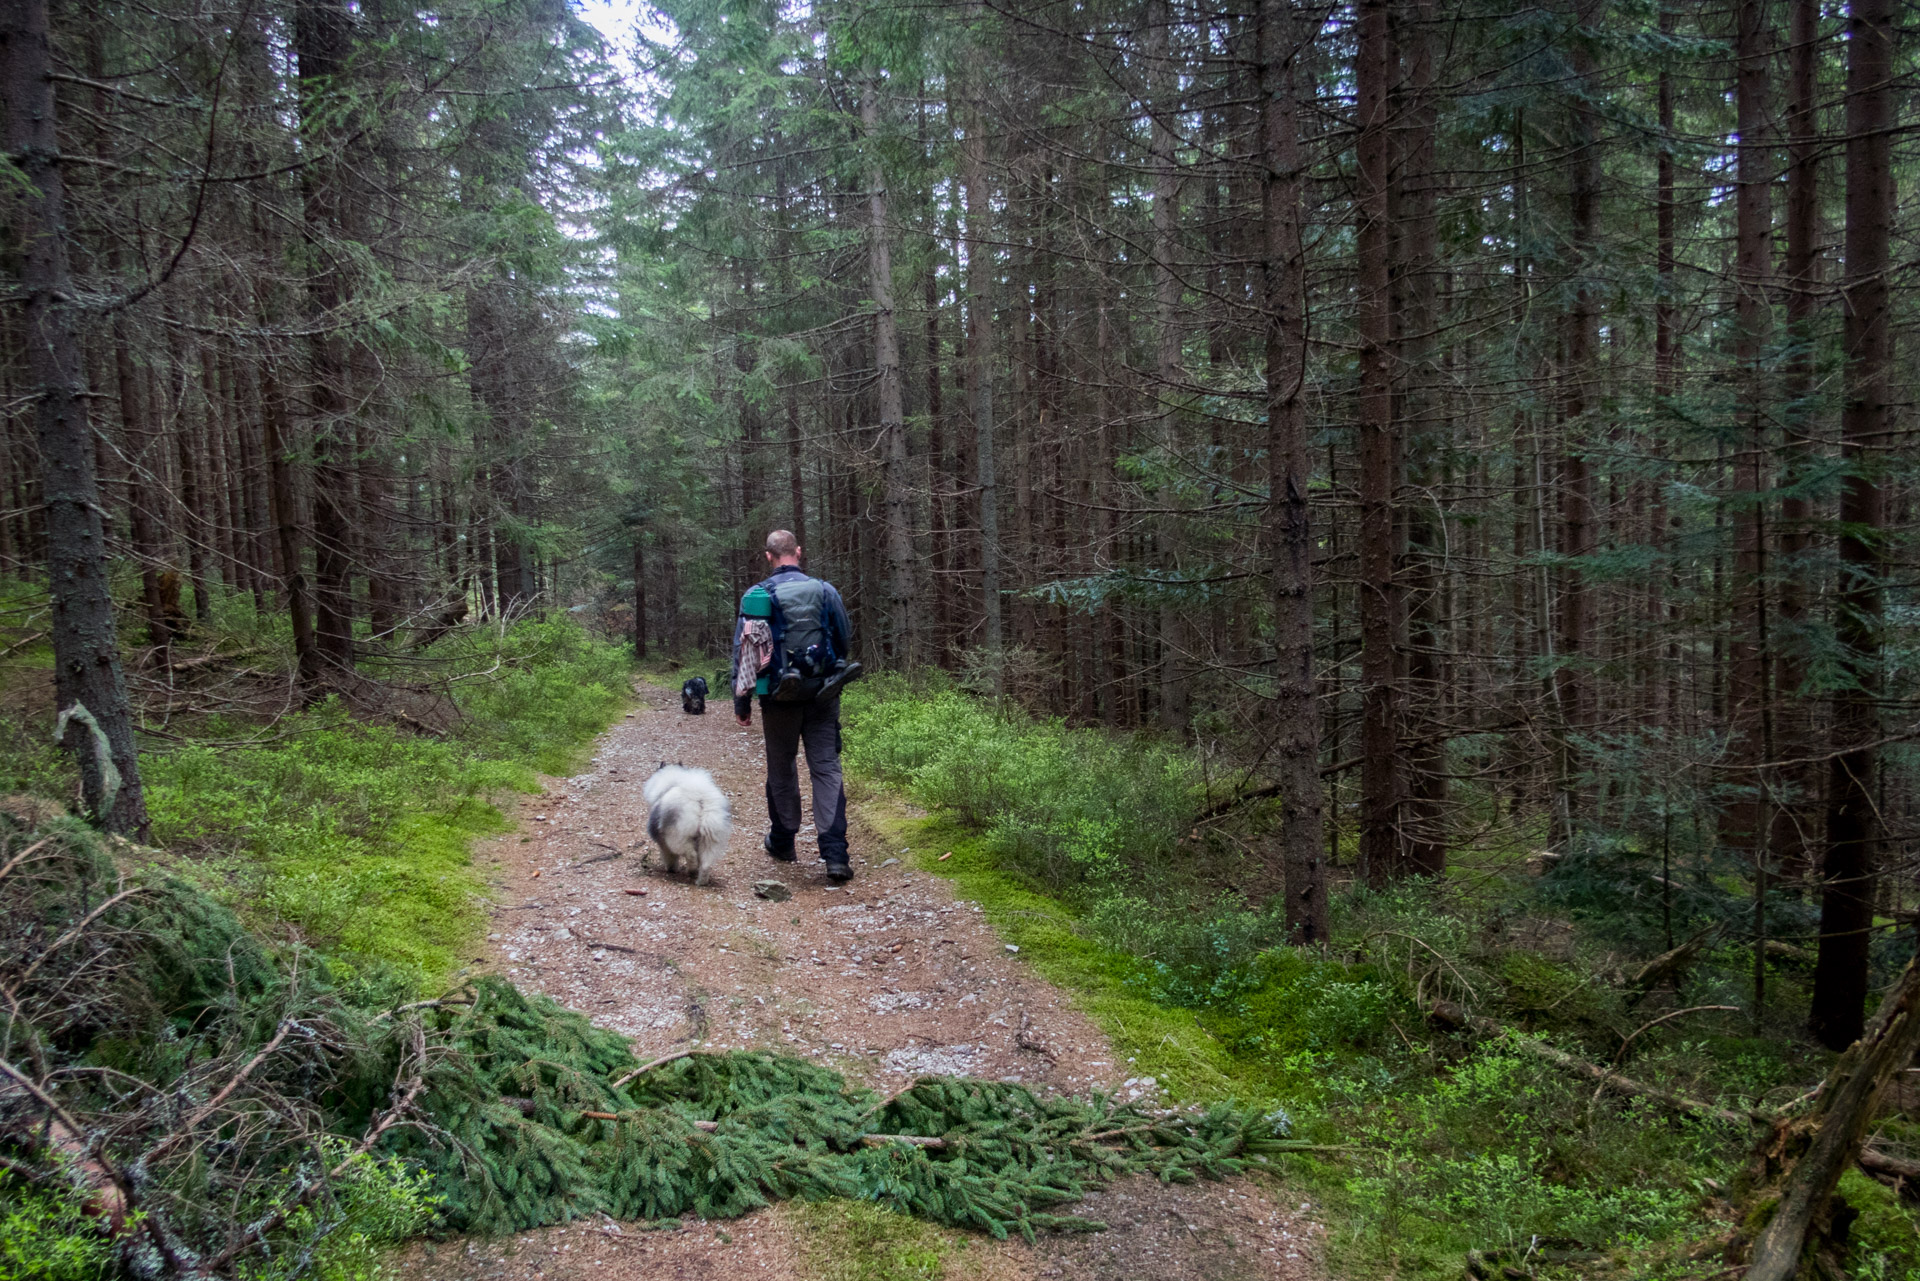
x=816, y=727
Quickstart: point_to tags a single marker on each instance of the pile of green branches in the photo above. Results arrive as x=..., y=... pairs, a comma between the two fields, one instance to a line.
x=218, y=1105
x=545, y=1118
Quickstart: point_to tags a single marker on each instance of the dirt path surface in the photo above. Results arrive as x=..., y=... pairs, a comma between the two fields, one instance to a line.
x=886, y=978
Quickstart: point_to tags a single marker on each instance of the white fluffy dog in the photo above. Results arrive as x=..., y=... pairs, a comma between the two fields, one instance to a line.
x=688, y=818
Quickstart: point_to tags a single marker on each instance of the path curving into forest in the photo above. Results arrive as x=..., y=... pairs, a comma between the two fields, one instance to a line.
x=884, y=979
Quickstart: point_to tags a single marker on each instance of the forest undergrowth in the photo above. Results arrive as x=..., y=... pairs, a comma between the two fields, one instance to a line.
x=251, y=1053
x=1084, y=850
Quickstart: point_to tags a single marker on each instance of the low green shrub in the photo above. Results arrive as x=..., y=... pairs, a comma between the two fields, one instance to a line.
x=48, y=1236
x=1438, y=1144
x=1066, y=808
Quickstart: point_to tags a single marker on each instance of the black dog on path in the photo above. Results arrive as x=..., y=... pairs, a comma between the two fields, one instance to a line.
x=693, y=696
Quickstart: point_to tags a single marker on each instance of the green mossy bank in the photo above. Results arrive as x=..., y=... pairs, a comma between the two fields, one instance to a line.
x=356, y=837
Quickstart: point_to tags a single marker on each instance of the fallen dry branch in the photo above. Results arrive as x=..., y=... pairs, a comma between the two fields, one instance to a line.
x=1448, y=1015
x=1668, y=1017
x=1668, y=965
x=662, y=1061
x=1887, y=1166
x=1812, y=1152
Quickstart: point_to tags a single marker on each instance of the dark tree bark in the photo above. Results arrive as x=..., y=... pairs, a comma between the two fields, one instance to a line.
x=1846, y=904
x=284, y=502
x=1426, y=690
x=1794, y=814
x=889, y=395
x=1747, y=684
x=322, y=41
x=980, y=274
x=1572, y=686
x=1382, y=776
x=639, y=593
x=1290, y=461
x=86, y=652
x=1175, y=638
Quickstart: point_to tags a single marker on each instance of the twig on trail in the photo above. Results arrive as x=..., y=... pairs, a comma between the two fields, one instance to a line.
x=526, y=907
x=600, y=858
x=1621, y=1055
x=612, y=947
x=659, y=1062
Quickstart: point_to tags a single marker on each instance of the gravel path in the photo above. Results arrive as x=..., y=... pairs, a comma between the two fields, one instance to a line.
x=886, y=978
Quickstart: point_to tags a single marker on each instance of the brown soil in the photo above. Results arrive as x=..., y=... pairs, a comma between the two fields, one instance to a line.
x=885, y=979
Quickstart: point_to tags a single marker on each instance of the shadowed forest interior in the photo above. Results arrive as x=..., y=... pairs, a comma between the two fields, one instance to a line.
x=1409, y=485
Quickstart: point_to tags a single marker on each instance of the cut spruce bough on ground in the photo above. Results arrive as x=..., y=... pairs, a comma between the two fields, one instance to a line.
x=549, y=1121
x=217, y=1105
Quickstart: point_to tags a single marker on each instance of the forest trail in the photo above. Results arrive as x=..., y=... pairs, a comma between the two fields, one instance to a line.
x=884, y=979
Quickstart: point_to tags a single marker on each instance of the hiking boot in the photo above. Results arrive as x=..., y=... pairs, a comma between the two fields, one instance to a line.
x=839, y=871
x=788, y=690
x=776, y=854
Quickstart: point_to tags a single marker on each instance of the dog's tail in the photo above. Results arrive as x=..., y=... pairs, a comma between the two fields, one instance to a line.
x=714, y=830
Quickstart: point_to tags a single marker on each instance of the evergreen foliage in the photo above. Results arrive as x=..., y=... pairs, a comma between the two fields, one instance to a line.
x=536, y=1132
x=152, y=1017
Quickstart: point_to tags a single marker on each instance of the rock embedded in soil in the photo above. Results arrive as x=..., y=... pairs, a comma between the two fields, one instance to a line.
x=772, y=891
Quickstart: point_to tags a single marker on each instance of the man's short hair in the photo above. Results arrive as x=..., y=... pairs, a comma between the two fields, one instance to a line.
x=781, y=544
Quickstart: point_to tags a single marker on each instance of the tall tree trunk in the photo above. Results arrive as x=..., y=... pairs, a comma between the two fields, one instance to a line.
x=1795, y=782
x=322, y=36
x=1290, y=463
x=1572, y=686
x=1382, y=777
x=1175, y=640
x=1660, y=679
x=938, y=542
x=86, y=654
x=1747, y=692
x=1846, y=903
x=284, y=502
x=980, y=274
x=1426, y=713
x=639, y=593
x=888, y=395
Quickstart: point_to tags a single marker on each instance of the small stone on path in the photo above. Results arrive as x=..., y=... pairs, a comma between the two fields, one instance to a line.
x=890, y=862
x=772, y=891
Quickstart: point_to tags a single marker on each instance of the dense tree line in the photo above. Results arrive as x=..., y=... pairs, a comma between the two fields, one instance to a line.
x=1479, y=427
x=1476, y=425
x=295, y=309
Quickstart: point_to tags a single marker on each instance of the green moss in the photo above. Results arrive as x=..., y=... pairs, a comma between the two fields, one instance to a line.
x=1885, y=1239
x=356, y=837
x=859, y=1241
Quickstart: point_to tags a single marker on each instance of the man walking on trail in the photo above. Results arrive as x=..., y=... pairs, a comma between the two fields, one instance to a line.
x=789, y=650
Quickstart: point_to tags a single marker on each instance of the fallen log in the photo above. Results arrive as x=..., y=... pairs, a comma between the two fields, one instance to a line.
x=1884, y=1165
x=1807, y=1155
x=1447, y=1014
x=1668, y=965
